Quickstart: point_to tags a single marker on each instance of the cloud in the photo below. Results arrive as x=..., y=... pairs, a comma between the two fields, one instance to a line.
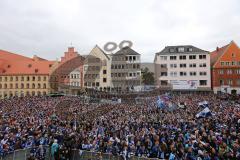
x=47, y=28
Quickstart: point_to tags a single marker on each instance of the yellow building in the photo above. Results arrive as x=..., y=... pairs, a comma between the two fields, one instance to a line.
x=22, y=76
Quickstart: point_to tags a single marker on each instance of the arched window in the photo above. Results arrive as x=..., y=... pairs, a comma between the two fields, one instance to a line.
x=39, y=85
x=44, y=85
x=5, y=86
x=33, y=85
x=22, y=85
x=33, y=93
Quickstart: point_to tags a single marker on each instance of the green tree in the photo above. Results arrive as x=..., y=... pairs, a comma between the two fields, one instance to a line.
x=147, y=77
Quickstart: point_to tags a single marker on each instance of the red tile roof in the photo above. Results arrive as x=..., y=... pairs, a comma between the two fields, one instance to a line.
x=15, y=64
x=217, y=53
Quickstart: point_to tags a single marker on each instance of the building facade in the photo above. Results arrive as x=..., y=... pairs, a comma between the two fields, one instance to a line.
x=66, y=76
x=183, y=68
x=225, y=67
x=125, y=69
x=97, y=70
x=23, y=76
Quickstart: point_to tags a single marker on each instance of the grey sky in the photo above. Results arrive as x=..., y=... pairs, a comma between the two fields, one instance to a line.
x=47, y=27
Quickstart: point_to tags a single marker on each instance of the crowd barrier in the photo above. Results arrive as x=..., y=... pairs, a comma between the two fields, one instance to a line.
x=24, y=154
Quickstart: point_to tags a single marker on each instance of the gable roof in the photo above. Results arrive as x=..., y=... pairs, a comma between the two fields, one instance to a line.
x=126, y=51
x=214, y=55
x=174, y=50
x=97, y=47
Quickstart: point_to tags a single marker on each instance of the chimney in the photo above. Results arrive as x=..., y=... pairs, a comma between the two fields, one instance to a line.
x=217, y=49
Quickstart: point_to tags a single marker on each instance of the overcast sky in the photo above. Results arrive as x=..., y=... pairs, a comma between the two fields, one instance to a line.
x=47, y=27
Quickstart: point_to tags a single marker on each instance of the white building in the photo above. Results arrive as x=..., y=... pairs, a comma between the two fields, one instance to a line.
x=183, y=68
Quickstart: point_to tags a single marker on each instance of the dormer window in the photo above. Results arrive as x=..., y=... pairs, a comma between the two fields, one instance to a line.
x=233, y=55
x=181, y=49
x=36, y=70
x=190, y=49
x=29, y=65
x=9, y=66
x=171, y=50
x=50, y=65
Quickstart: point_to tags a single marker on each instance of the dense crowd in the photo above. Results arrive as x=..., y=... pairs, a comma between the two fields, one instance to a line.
x=126, y=129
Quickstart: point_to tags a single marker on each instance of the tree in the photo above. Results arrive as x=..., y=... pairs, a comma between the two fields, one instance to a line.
x=147, y=77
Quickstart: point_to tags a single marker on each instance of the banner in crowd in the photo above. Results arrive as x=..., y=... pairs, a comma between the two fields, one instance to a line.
x=184, y=84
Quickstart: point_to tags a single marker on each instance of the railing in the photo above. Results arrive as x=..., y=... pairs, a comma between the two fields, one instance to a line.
x=24, y=154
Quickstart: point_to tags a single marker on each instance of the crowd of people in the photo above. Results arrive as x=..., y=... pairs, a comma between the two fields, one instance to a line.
x=124, y=129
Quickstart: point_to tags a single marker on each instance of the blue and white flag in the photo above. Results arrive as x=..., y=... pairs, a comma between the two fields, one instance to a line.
x=203, y=104
x=204, y=113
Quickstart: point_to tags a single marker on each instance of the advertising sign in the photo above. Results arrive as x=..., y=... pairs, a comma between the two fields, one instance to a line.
x=184, y=84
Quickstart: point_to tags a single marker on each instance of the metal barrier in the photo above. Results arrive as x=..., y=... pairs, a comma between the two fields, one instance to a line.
x=24, y=154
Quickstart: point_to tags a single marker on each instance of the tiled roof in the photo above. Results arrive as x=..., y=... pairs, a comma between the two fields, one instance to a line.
x=174, y=50
x=217, y=53
x=15, y=64
x=126, y=51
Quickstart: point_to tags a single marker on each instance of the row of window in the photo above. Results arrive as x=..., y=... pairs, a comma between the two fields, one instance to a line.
x=75, y=83
x=126, y=58
x=131, y=74
x=21, y=93
x=175, y=74
x=229, y=71
x=230, y=63
x=183, y=57
x=75, y=76
x=184, y=65
x=229, y=82
x=125, y=66
x=92, y=68
x=201, y=82
x=22, y=86
x=22, y=78
x=180, y=49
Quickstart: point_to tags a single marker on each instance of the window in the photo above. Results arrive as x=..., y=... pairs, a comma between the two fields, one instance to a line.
x=22, y=78
x=44, y=78
x=181, y=49
x=0, y=86
x=5, y=86
x=164, y=83
x=203, y=82
x=182, y=57
x=229, y=71
x=33, y=85
x=238, y=71
x=39, y=85
x=16, y=78
x=202, y=65
x=221, y=82
x=11, y=78
x=171, y=50
x=104, y=80
x=97, y=84
x=22, y=85
x=173, y=74
x=163, y=65
x=173, y=57
x=202, y=56
x=192, y=57
x=238, y=63
x=192, y=65
x=222, y=63
x=6, y=79
x=202, y=73
x=190, y=49
x=33, y=78
x=173, y=65
x=163, y=57
x=183, y=65
x=233, y=63
x=44, y=85
x=28, y=78
x=11, y=85
x=221, y=71
x=193, y=73
x=233, y=55
x=0, y=79
x=227, y=63
x=230, y=82
x=16, y=85
x=183, y=73
x=163, y=73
